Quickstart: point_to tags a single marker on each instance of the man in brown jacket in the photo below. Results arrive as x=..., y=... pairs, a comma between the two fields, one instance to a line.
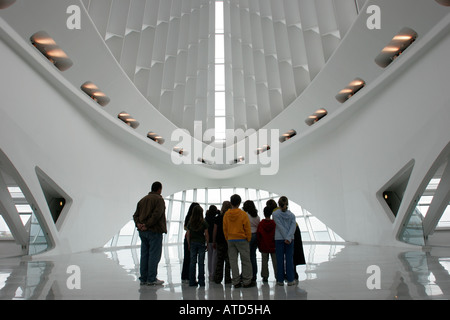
x=150, y=220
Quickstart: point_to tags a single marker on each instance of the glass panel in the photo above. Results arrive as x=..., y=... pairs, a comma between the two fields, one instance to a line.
x=128, y=229
x=305, y=236
x=190, y=195
x=214, y=196
x=220, y=48
x=252, y=194
x=295, y=209
x=220, y=77
x=38, y=241
x=264, y=194
x=322, y=236
x=176, y=211
x=226, y=194
x=178, y=196
x=220, y=104
x=413, y=230
x=317, y=225
x=5, y=233
x=174, y=229
x=312, y=228
x=201, y=195
x=25, y=218
x=302, y=224
x=220, y=127
x=444, y=222
x=16, y=192
x=219, y=17
x=241, y=192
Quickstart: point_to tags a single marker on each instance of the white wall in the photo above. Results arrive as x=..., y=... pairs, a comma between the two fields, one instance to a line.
x=103, y=175
x=334, y=170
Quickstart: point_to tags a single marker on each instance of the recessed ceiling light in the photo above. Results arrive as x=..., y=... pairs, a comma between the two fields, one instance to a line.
x=95, y=93
x=155, y=137
x=288, y=135
x=48, y=47
x=349, y=91
x=396, y=47
x=318, y=115
x=125, y=117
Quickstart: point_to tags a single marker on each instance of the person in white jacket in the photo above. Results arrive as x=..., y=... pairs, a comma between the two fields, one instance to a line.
x=284, y=242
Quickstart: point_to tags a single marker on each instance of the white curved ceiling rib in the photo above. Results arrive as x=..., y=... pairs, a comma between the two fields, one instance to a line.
x=129, y=31
x=274, y=49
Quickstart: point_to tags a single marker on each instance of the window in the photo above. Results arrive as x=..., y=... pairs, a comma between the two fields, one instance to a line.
x=219, y=99
x=177, y=205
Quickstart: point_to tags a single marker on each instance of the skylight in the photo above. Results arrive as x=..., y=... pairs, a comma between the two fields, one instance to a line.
x=219, y=106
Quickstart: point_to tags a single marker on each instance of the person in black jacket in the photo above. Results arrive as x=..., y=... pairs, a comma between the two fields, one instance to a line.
x=187, y=254
x=299, y=255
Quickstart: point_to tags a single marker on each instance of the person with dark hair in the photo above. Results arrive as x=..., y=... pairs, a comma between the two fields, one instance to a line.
x=221, y=246
x=187, y=254
x=237, y=231
x=271, y=204
x=150, y=220
x=210, y=216
x=250, y=208
x=197, y=237
x=266, y=243
x=284, y=242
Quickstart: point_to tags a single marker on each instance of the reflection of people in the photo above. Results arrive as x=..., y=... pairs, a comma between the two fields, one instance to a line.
x=237, y=231
x=187, y=254
x=197, y=237
x=284, y=242
x=150, y=220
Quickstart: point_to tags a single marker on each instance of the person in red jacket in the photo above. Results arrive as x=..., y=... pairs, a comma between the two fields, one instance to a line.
x=266, y=243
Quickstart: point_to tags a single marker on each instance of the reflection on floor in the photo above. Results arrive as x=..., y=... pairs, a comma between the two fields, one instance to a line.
x=332, y=272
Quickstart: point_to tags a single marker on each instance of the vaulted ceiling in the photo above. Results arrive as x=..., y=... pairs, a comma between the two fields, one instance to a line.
x=273, y=50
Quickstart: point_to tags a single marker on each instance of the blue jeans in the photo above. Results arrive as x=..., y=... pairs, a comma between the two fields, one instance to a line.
x=151, y=249
x=197, y=257
x=285, y=260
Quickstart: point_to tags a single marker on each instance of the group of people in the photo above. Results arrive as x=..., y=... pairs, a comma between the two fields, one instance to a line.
x=227, y=235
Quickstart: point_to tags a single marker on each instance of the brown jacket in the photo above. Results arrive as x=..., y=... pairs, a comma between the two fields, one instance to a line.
x=151, y=212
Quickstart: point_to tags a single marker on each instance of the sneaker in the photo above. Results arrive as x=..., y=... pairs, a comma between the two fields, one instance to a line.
x=280, y=283
x=155, y=283
x=293, y=283
x=238, y=285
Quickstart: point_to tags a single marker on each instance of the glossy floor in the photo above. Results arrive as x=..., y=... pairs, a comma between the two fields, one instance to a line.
x=332, y=272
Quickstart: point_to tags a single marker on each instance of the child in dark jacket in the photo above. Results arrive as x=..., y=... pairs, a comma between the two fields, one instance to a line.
x=266, y=243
